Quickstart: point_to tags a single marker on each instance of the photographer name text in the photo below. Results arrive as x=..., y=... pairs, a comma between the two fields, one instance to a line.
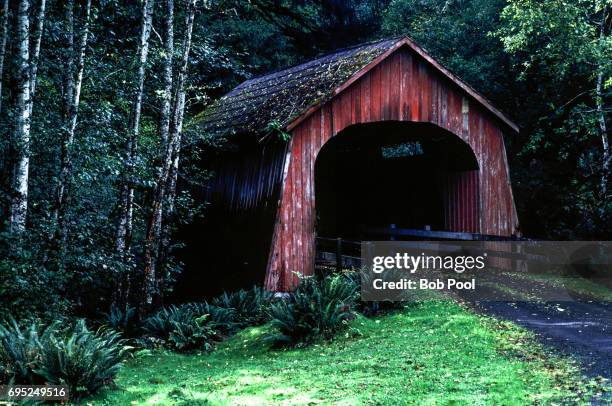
x=425, y=284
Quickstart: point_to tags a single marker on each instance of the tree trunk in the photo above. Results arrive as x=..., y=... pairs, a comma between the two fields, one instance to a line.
x=73, y=82
x=19, y=199
x=27, y=68
x=599, y=101
x=123, y=233
x=175, y=136
x=603, y=132
x=124, y=226
x=4, y=33
x=167, y=179
x=35, y=51
x=155, y=221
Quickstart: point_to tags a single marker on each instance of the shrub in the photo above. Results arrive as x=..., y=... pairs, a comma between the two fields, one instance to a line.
x=185, y=327
x=318, y=308
x=161, y=324
x=220, y=318
x=26, y=287
x=120, y=319
x=250, y=307
x=196, y=334
x=20, y=350
x=82, y=359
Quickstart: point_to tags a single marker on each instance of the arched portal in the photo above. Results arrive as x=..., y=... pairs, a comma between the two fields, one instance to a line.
x=407, y=89
x=395, y=174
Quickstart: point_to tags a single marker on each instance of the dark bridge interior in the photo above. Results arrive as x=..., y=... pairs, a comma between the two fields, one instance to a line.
x=375, y=175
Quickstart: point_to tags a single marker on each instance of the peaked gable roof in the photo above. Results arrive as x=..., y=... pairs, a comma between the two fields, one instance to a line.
x=288, y=96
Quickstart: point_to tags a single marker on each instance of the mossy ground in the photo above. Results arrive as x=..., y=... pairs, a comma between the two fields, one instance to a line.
x=434, y=352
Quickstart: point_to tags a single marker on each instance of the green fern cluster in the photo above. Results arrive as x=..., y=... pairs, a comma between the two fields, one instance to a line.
x=249, y=307
x=120, y=319
x=198, y=325
x=318, y=308
x=73, y=355
x=197, y=334
x=83, y=359
x=189, y=326
x=21, y=350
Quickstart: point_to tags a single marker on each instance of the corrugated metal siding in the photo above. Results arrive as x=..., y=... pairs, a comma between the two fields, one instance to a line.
x=403, y=87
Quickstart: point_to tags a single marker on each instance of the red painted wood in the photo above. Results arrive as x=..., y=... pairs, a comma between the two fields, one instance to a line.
x=366, y=99
x=404, y=86
x=375, y=88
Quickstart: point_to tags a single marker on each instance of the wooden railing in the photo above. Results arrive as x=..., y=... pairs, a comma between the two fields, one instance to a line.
x=343, y=253
x=439, y=235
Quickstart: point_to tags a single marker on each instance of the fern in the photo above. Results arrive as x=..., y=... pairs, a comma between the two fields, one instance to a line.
x=250, y=307
x=82, y=359
x=221, y=319
x=120, y=319
x=161, y=324
x=20, y=350
x=194, y=335
x=189, y=326
x=318, y=308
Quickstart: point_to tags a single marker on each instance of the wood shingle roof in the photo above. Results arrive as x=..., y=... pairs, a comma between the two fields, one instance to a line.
x=285, y=97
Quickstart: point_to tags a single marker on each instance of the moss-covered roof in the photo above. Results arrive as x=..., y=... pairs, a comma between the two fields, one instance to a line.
x=283, y=96
x=275, y=100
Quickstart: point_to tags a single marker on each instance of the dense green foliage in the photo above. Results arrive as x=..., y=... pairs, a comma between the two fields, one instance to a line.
x=180, y=328
x=21, y=348
x=120, y=319
x=561, y=50
x=82, y=359
x=190, y=326
x=318, y=308
x=249, y=307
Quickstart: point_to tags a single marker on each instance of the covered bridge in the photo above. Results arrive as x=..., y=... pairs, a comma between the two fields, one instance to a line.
x=366, y=137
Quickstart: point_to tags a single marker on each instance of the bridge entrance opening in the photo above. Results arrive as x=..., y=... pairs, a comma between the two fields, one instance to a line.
x=372, y=178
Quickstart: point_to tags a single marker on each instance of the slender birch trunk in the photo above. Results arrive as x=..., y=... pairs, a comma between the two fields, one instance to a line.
x=155, y=220
x=26, y=87
x=167, y=180
x=176, y=137
x=124, y=226
x=4, y=33
x=171, y=187
x=35, y=51
x=603, y=132
x=19, y=200
x=73, y=82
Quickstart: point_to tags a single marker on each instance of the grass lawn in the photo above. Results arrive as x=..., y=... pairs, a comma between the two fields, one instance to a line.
x=434, y=352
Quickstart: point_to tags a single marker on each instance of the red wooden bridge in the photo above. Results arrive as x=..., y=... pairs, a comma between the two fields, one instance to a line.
x=339, y=111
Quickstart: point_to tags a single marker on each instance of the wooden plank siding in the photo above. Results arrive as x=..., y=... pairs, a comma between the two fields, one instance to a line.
x=403, y=87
